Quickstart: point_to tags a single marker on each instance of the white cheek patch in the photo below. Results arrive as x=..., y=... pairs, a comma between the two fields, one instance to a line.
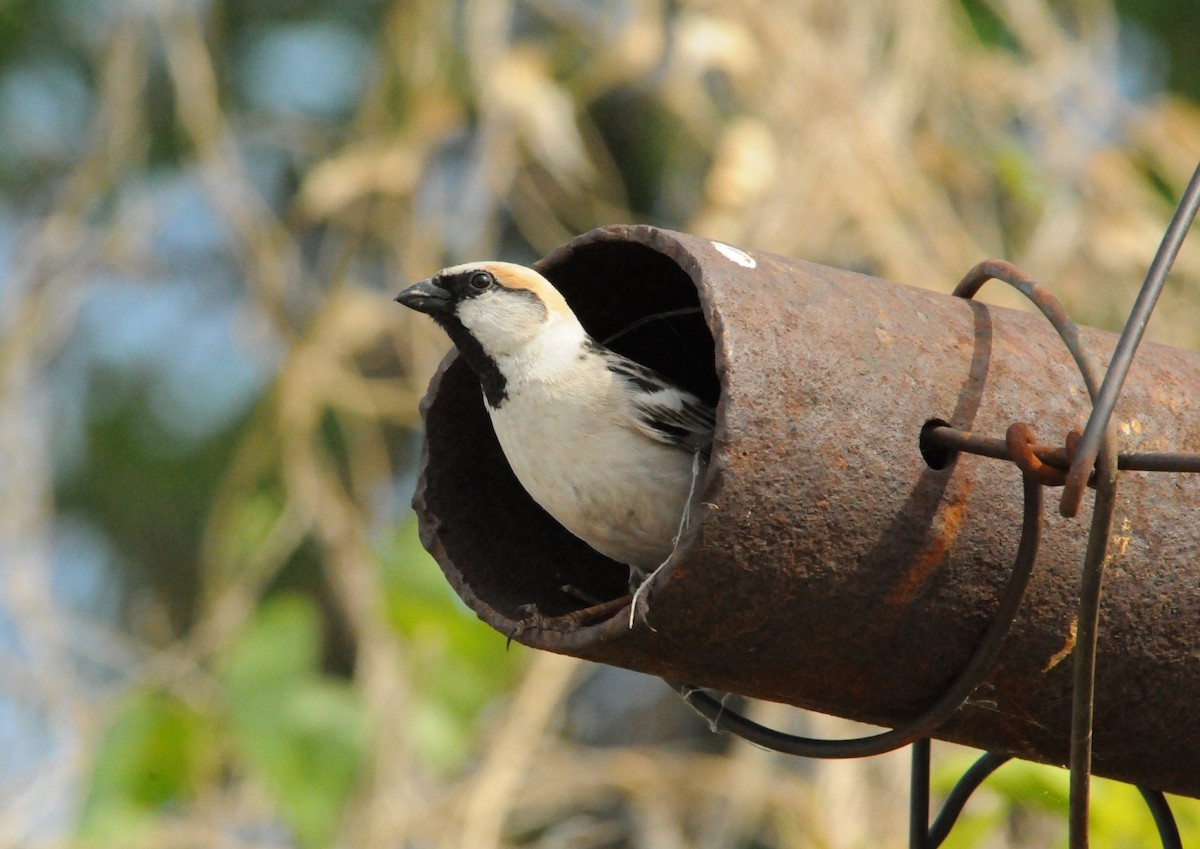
x=501, y=320
x=472, y=310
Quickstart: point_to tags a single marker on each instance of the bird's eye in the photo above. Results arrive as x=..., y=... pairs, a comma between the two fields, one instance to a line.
x=481, y=280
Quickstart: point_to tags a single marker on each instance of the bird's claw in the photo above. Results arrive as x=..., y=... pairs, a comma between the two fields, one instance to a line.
x=533, y=620
x=566, y=623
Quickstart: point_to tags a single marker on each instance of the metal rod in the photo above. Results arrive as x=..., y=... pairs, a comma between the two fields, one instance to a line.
x=952, y=439
x=1122, y=358
x=918, y=795
x=1084, y=670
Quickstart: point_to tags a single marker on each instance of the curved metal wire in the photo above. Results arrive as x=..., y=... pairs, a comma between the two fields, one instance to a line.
x=1164, y=818
x=950, y=701
x=956, y=801
x=1091, y=580
x=1047, y=304
x=922, y=838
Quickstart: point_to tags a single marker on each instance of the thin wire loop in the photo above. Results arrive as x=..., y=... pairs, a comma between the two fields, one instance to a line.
x=937, y=713
x=1020, y=442
x=923, y=836
x=973, y=778
x=952, y=808
x=1047, y=304
x=1164, y=818
x=1083, y=684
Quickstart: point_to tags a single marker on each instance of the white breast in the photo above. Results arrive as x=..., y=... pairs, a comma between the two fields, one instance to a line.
x=617, y=490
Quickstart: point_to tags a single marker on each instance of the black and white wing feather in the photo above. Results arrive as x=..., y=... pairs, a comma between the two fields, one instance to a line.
x=663, y=410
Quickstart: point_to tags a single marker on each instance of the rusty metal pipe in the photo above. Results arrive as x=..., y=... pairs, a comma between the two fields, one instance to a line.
x=832, y=567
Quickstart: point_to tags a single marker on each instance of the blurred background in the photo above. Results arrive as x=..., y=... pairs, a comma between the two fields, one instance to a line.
x=217, y=626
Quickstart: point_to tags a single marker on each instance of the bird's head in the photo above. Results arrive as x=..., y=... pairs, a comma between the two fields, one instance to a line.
x=507, y=320
x=503, y=306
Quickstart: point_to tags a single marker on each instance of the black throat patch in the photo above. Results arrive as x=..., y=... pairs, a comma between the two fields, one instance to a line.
x=495, y=387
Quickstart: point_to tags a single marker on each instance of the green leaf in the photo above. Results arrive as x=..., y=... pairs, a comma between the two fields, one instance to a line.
x=303, y=733
x=308, y=744
x=157, y=751
x=282, y=644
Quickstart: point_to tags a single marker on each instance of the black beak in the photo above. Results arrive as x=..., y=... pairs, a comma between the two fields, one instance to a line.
x=427, y=297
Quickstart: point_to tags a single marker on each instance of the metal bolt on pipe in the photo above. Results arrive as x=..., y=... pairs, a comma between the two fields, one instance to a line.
x=833, y=565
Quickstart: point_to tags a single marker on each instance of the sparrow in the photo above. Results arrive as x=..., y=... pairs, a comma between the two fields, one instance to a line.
x=610, y=448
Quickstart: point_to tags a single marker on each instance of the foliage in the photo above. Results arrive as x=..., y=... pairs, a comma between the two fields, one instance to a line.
x=304, y=733
x=157, y=751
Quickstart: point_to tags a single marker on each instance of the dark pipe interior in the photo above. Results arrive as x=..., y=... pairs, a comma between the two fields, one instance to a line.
x=610, y=285
x=509, y=552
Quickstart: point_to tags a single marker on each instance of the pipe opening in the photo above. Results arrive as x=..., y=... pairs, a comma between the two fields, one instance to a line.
x=509, y=556
x=936, y=457
x=641, y=303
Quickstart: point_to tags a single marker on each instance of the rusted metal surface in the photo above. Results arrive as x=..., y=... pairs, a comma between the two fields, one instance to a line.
x=831, y=566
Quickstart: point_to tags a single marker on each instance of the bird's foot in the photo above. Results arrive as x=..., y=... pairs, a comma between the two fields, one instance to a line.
x=568, y=622
x=533, y=621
